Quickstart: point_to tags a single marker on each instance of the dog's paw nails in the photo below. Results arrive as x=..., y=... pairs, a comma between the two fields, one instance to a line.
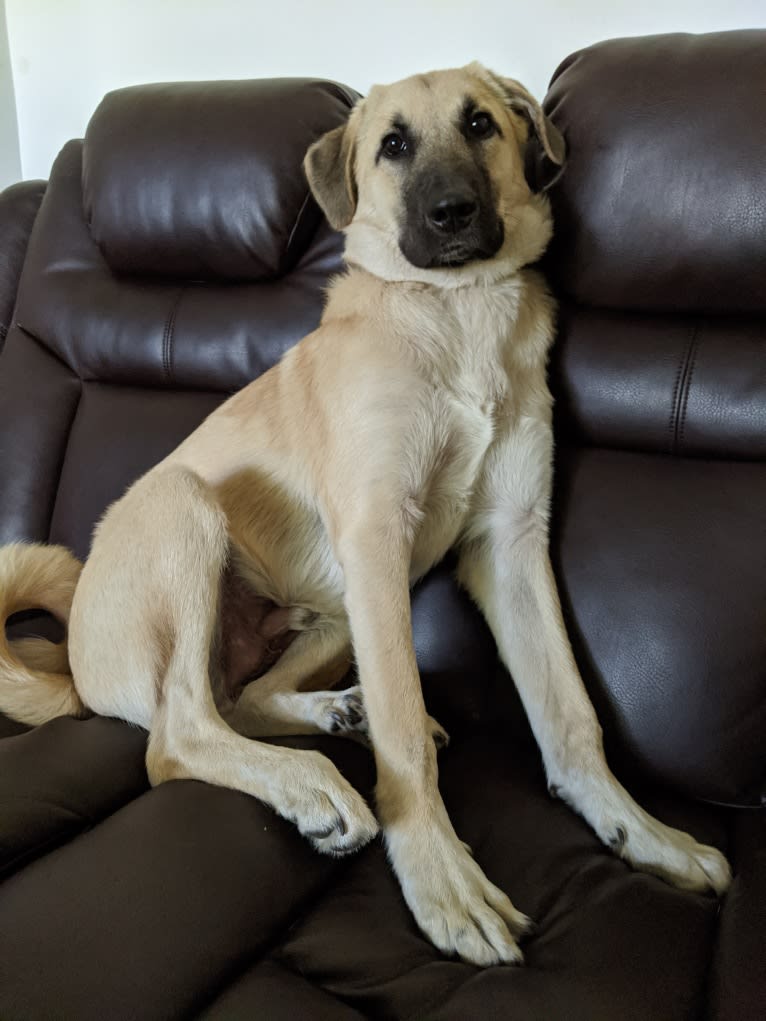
x=343, y=711
x=453, y=902
x=325, y=807
x=675, y=856
x=346, y=832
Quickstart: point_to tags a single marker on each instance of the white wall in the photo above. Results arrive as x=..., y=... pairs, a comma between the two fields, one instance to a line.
x=67, y=53
x=10, y=164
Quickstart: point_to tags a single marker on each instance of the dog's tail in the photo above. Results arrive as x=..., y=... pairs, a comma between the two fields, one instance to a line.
x=35, y=680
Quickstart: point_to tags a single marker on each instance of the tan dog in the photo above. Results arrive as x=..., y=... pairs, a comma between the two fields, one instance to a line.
x=416, y=418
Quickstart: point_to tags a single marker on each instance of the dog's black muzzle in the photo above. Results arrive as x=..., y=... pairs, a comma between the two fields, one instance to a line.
x=450, y=219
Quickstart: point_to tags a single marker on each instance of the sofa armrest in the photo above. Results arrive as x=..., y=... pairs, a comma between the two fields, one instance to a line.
x=18, y=209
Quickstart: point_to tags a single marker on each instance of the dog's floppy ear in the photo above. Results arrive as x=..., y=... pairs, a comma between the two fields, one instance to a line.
x=329, y=167
x=523, y=102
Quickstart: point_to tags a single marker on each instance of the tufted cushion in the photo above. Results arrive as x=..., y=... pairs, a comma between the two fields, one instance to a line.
x=184, y=179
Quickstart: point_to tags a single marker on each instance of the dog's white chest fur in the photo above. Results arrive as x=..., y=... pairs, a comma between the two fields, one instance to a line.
x=469, y=357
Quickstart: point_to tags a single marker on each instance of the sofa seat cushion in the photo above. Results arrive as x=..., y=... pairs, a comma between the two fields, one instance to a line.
x=197, y=901
x=61, y=779
x=739, y=981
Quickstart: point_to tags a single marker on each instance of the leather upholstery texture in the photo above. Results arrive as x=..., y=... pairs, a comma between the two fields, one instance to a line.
x=18, y=208
x=661, y=206
x=175, y=256
x=660, y=378
x=183, y=180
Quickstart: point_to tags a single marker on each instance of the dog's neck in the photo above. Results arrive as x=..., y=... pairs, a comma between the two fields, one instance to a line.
x=526, y=238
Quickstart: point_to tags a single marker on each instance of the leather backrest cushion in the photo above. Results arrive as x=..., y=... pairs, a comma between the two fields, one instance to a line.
x=662, y=204
x=658, y=375
x=660, y=563
x=202, y=180
x=149, y=331
x=103, y=373
x=667, y=384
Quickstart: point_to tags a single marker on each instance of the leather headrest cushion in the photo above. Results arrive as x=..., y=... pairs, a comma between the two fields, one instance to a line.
x=203, y=180
x=661, y=204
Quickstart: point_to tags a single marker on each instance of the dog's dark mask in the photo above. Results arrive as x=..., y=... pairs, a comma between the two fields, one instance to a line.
x=450, y=217
x=449, y=208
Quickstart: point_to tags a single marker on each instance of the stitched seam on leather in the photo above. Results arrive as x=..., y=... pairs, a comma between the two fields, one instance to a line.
x=291, y=235
x=678, y=391
x=167, y=336
x=674, y=402
x=688, y=386
x=3, y=331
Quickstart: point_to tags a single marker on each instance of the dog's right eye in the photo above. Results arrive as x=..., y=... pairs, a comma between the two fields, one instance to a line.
x=393, y=146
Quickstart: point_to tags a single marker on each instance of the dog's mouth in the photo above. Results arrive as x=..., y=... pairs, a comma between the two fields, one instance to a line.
x=460, y=254
x=428, y=252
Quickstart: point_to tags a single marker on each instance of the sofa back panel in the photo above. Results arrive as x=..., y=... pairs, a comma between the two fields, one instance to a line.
x=38, y=401
x=684, y=385
x=118, y=433
x=662, y=205
x=659, y=375
x=224, y=336
x=201, y=180
x=131, y=364
x=99, y=324
x=151, y=331
x=661, y=564
x=18, y=209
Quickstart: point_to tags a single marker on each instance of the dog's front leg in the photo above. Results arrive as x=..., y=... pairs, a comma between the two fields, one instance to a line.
x=506, y=568
x=452, y=900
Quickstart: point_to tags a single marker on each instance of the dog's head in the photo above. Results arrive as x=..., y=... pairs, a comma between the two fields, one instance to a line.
x=427, y=177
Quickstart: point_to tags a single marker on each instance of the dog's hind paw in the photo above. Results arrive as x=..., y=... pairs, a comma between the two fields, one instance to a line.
x=343, y=711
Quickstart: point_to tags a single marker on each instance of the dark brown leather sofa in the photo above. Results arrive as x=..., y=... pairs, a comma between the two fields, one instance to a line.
x=175, y=256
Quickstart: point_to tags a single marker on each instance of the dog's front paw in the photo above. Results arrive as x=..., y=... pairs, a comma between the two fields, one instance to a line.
x=323, y=805
x=453, y=902
x=671, y=854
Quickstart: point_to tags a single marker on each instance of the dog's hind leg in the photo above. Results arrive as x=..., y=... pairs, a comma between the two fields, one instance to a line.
x=188, y=738
x=278, y=704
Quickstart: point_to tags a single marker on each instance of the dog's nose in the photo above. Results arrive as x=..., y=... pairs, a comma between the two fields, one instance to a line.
x=453, y=213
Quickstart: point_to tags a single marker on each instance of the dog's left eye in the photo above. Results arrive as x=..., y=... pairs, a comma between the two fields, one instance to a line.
x=393, y=146
x=481, y=125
